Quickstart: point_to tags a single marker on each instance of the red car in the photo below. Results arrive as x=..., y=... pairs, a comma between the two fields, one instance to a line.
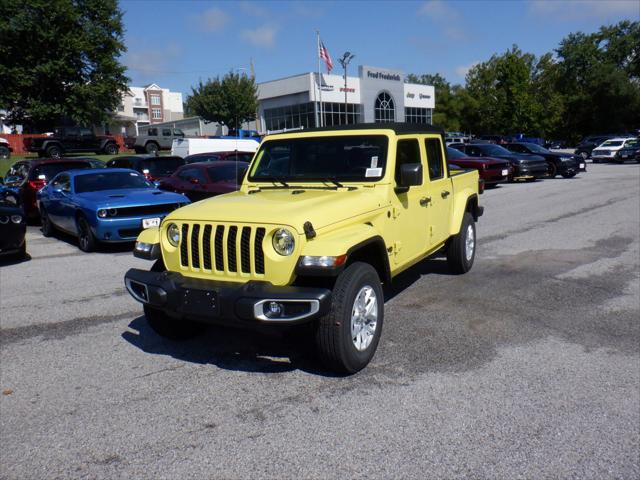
x=29, y=176
x=217, y=156
x=207, y=179
x=491, y=170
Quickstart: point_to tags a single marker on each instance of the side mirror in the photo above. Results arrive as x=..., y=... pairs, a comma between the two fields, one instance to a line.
x=410, y=175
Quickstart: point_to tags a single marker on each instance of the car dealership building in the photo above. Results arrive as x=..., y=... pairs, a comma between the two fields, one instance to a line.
x=375, y=95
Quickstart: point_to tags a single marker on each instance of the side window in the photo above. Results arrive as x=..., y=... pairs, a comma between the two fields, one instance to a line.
x=166, y=132
x=407, y=151
x=65, y=183
x=152, y=132
x=111, y=164
x=71, y=132
x=186, y=174
x=517, y=148
x=474, y=151
x=86, y=132
x=178, y=133
x=434, y=158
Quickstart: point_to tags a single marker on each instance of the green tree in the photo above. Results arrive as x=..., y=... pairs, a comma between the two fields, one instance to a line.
x=599, y=79
x=60, y=60
x=447, y=113
x=229, y=101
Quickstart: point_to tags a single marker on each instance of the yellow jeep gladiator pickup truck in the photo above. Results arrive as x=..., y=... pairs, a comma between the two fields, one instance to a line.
x=322, y=220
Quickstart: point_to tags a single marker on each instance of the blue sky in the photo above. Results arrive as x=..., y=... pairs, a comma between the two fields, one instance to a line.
x=176, y=43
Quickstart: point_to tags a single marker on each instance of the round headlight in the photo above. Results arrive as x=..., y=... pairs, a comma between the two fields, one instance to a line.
x=102, y=213
x=173, y=234
x=16, y=218
x=112, y=212
x=283, y=242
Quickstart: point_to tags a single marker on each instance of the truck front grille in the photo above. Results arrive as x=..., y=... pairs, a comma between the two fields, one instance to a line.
x=232, y=250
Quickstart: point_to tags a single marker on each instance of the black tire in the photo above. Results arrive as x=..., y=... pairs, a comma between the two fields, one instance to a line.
x=552, y=170
x=165, y=326
x=86, y=240
x=457, y=254
x=334, y=338
x=151, y=147
x=569, y=174
x=5, y=152
x=111, y=149
x=54, y=151
x=45, y=222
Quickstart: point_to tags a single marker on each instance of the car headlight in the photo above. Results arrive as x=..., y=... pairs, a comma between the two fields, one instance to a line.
x=102, y=213
x=173, y=234
x=16, y=218
x=283, y=242
x=113, y=212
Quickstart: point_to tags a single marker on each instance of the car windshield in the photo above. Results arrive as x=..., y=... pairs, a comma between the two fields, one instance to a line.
x=226, y=173
x=453, y=153
x=534, y=147
x=161, y=166
x=240, y=157
x=50, y=170
x=611, y=143
x=352, y=158
x=495, y=150
x=109, y=181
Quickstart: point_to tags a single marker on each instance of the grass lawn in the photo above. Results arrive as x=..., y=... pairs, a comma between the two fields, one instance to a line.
x=6, y=164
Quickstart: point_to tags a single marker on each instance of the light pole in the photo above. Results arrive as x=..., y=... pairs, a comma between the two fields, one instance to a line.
x=344, y=61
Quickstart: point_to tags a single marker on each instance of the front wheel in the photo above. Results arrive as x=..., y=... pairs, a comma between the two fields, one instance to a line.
x=86, y=239
x=151, y=148
x=461, y=251
x=347, y=337
x=54, y=152
x=4, y=153
x=569, y=174
x=111, y=149
x=45, y=222
x=552, y=170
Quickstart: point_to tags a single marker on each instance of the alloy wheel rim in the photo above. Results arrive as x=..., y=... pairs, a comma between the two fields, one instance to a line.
x=469, y=243
x=364, y=318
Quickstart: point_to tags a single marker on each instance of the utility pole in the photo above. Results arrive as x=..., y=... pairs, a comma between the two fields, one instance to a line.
x=344, y=61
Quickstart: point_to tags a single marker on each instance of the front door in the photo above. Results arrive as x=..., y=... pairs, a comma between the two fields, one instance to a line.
x=409, y=215
x=440, y=192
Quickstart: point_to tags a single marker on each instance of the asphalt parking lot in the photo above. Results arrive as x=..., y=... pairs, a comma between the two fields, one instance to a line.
x=528, y=366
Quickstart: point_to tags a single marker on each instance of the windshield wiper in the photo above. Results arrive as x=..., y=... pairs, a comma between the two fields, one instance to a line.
x=334, y=181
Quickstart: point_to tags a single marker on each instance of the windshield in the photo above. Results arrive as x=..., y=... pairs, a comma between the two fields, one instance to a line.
x=226, y=173
x=161, y=166
x=109, y=181
x=353, y=158
x=495, y=150
x=50, y=170
x=611, y=143
x=453, y=153
x=536, y=148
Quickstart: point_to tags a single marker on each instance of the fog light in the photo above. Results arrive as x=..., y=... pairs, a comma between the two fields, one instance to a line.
x=275, y=309
x=143, y=247
x=16, y=218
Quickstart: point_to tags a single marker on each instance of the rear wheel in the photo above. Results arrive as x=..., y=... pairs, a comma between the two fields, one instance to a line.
x=4, y=152
x=347, y=337
x=45, y=221
x=552, y=170
x=86, y=240
x=151, y=147
x=461, y=251
x=54, y=151
x=569, y=174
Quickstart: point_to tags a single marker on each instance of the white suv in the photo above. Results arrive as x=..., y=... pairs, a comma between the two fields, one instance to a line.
x=608, y=149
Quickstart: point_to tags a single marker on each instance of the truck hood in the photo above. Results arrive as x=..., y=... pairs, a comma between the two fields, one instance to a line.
x=293, y=207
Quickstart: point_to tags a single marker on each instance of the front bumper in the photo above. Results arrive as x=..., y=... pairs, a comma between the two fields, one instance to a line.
x=124, y=229
x=226, y=303
x=530, y=171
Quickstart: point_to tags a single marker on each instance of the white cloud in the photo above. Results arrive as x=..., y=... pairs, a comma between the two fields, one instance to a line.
x=462, y=70
x=253, y=8
x=264, y=36
x=213, y=20
x=152, y=62
x=583, y=9
x=438, y=10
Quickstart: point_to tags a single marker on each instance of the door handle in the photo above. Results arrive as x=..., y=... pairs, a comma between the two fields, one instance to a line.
x=445, y=193
x=424, y=201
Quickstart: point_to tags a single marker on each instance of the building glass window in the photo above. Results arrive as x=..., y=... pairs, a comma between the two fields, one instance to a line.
x=292, y=116
x=335, y=114
x=385, y=109
x=156, y=113
x=418, y=115
x=155, y=99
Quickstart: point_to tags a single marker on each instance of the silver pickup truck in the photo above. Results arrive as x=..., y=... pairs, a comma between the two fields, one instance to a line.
x=154, y=139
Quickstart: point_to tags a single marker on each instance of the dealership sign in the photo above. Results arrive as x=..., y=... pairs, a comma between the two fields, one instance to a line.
x=384, y=76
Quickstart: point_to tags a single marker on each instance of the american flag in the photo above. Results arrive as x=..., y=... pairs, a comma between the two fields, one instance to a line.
x=323, y=53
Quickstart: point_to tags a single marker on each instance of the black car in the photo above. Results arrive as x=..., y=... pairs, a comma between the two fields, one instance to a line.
x=627, y=154
x=151, y=166
x=71, y=140
x=524, y=166
x=13, y=225
x=587, y=144
x=558, y=163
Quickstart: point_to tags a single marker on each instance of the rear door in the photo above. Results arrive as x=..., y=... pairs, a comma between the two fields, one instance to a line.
x=166, y=138
x=439, y=190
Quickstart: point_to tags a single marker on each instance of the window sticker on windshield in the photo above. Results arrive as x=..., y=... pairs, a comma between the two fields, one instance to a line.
x=374, y=161
x=373, y=172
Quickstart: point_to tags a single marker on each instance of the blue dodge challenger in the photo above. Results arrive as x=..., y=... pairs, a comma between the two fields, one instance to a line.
x=105, y=205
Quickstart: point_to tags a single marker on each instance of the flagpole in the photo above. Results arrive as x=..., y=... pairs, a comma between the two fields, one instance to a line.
x=321, y=116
